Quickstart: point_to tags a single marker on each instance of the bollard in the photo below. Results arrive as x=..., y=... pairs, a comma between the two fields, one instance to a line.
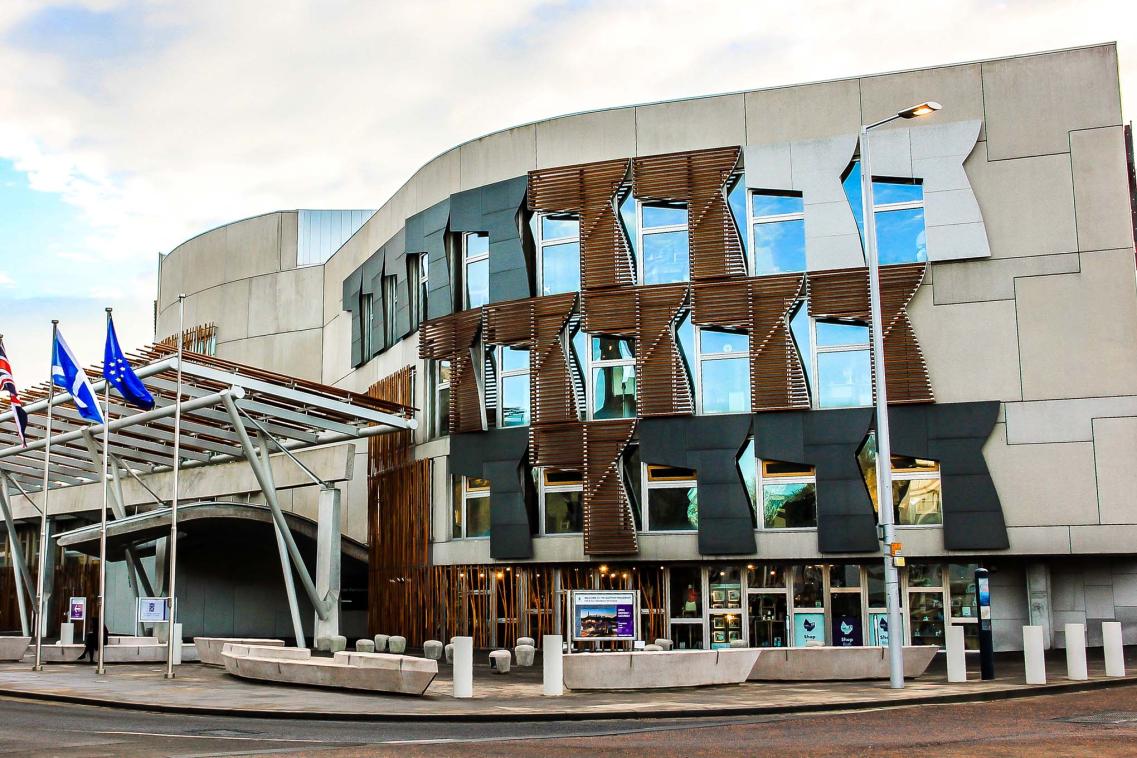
x=463, y=666
x=1034, y=655
x=956, y=657
x=1076, y=652
x=1114, y=652
x=552, y=655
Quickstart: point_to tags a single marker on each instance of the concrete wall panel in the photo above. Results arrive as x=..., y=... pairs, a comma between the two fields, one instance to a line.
x=293, y=353
x=253, y=247
x=805, y=112
x=587, y=137
x=1101, y=188
x=286, y=302
x=691, y=124
x=977, y=281
x=1115, y=451
x=499, y=156
x=1044, y=484
x=958, y=88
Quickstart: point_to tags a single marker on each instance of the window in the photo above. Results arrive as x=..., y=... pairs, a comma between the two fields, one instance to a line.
x=612, y=367
x=558, y=253
x=476, y=269
x=724, y=371
x=842, y=365
x=418, y=277
x=366, y=313
x=777, y=232
x=898, y=205
x=471, y=508
x=562, y=501
x=663, y=243
x=915, y=486
x=513, y=394
x=441, y=425
x=672, y=499
x=789, y=495
x=390, y=307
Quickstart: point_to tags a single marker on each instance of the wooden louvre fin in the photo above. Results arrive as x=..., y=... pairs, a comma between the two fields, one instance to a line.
x=906, y=372
x=508, y=323
x=698, y=178
x=551, y=397
x=724, y=304
x=662, y=385
x=388, y=451
x=436, y=339
x=558, y=446
x=839, y=294
x=610, y=311
x=609, y=527
x=777, y=377
x=589, y=190
x=452, y=338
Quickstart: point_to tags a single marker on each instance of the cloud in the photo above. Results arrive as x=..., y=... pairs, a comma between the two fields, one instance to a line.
x=157, y=119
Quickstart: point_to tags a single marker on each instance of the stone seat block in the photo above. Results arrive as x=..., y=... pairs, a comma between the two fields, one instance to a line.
x=381, y=643
x=365, y=646
x=13, y=648
x=499, y=661
x=209, y=648
x=378, y=672
x=432, y=649
x=397, y=644
x=525, y=654
x=526, y=641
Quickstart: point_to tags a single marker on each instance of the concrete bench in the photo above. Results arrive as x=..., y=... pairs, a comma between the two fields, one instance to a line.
x=151, y=652
x=656, y=669
x=376, y=672
x=209, y=648
x=803, y=664
x=13, y=648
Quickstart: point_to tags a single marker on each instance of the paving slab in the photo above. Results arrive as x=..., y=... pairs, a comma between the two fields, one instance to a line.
x=210, y=691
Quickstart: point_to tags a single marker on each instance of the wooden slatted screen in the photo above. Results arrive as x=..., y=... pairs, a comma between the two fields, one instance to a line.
x=609, y=526
x=662, y=385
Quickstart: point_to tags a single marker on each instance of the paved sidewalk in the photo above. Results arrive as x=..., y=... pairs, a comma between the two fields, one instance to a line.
x=515, y=696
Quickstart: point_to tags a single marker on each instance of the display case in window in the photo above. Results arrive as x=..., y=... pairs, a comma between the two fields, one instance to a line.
x=926, y=618
x=726, y=589
x=961, y=586
x=768, y=620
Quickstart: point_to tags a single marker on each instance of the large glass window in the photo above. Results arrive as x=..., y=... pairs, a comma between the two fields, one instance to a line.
x=441, y=405
x=418, y=278
x=724, y=372
x=843, y=367
x=471, y=508
x=663, y=242
x=558, y=244
x=899, y=208
x=916, y=496
x=789, y=495
x=612, y=366
x=390, y=308
x=476, y=268
x=513, y=394
x=685, y=606
x=672, y=499
x=562, y=501
x=778, y=232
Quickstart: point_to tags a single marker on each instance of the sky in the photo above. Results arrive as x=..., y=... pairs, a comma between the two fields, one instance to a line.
x=128, y=126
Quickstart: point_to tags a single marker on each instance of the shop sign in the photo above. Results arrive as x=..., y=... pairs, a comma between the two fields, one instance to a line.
x=605, y=614
x=847, y=631
x=77, y=609
x=878, y=628
x=152, y=610
x=809, y=627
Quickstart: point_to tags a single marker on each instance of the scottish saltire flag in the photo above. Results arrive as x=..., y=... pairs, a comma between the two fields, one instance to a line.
x=117, y=371
x=8, y=384
x=67, y=374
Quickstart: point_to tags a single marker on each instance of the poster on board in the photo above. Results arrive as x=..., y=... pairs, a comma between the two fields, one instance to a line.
x=809, y=628
x=847, y=631
x=605, y=614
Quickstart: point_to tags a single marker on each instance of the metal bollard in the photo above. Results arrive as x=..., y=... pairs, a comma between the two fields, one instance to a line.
x=463, y=666
x=552, y=655
x=1114, y=651
x=1034, y=655
x=1076, y=652
x=956, y=658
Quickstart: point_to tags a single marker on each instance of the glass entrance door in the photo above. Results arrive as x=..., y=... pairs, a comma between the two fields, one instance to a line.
x=768, y=620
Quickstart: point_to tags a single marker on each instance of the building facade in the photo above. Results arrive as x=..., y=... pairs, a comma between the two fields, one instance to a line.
x=638, y=342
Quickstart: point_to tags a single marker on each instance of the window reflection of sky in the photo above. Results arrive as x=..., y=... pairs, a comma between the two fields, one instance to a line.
x=776, y=204
x=779, y=247
x=664, y=214
x=844, y=379
x=559, y=227
x=665, y=257
x=714, y=341
x=726, y=386
x=829, y=334
x=560, y=268
x=900, y=238
x=515, y=400
x=477, y=284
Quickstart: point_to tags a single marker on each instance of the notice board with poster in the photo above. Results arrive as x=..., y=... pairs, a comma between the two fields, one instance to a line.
x=599, y=615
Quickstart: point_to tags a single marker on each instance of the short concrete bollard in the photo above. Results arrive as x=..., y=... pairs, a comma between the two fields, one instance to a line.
x=738, y=643
x=664, y=644
x=339, y=642
x=448, y=650
x=324, y=644
x=463, y=666
x=1034, y=655
x=525, y=654
x=652, y=648
x=397, y=644
x=1114, y=650
x=552, y=660
x=956, y=658
x=381, y=643
x=67, y=633
x=1076, y=652
x=499, y=661
x=432, y=649
x=365, y=646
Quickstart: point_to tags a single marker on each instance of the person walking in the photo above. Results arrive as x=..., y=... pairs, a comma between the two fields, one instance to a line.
x=91, y=642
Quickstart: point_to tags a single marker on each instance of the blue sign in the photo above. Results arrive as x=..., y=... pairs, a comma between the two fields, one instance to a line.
x=847, y=631
x=809, y=628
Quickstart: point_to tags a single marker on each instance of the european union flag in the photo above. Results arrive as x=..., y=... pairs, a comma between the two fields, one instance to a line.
x=67, y=374
x=117, y=371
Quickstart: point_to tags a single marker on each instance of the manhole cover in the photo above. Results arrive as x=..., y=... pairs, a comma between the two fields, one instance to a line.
x=1108, y=717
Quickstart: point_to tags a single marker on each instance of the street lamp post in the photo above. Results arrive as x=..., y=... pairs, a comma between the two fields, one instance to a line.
x=883, y=442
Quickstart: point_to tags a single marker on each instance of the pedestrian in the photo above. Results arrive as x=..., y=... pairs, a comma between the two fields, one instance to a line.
x=91, y=642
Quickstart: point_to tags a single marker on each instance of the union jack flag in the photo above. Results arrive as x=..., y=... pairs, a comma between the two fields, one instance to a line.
x=8, y=384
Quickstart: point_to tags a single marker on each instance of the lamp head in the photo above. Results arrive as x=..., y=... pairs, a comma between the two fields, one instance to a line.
x=923, y=109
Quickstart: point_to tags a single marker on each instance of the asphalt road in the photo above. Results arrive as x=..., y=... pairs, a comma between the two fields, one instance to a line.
x=1099, y=722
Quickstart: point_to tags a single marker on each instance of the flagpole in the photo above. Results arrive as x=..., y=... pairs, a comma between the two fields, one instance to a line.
x=171, y=601
x=43, y=512
x=100, y=621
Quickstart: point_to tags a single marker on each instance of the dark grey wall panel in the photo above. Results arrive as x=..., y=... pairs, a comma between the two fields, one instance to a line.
x=954, y=435
x=710, y=445
x=494, y=208
x=372, y=270
x=499, y=455
x=351, y=288
x=828, y=440
x=395, y=264
x=426, y=233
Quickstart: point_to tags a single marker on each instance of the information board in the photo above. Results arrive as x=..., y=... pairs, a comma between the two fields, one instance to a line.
x=77, y=609
x=605, y=614
x=152, y=610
